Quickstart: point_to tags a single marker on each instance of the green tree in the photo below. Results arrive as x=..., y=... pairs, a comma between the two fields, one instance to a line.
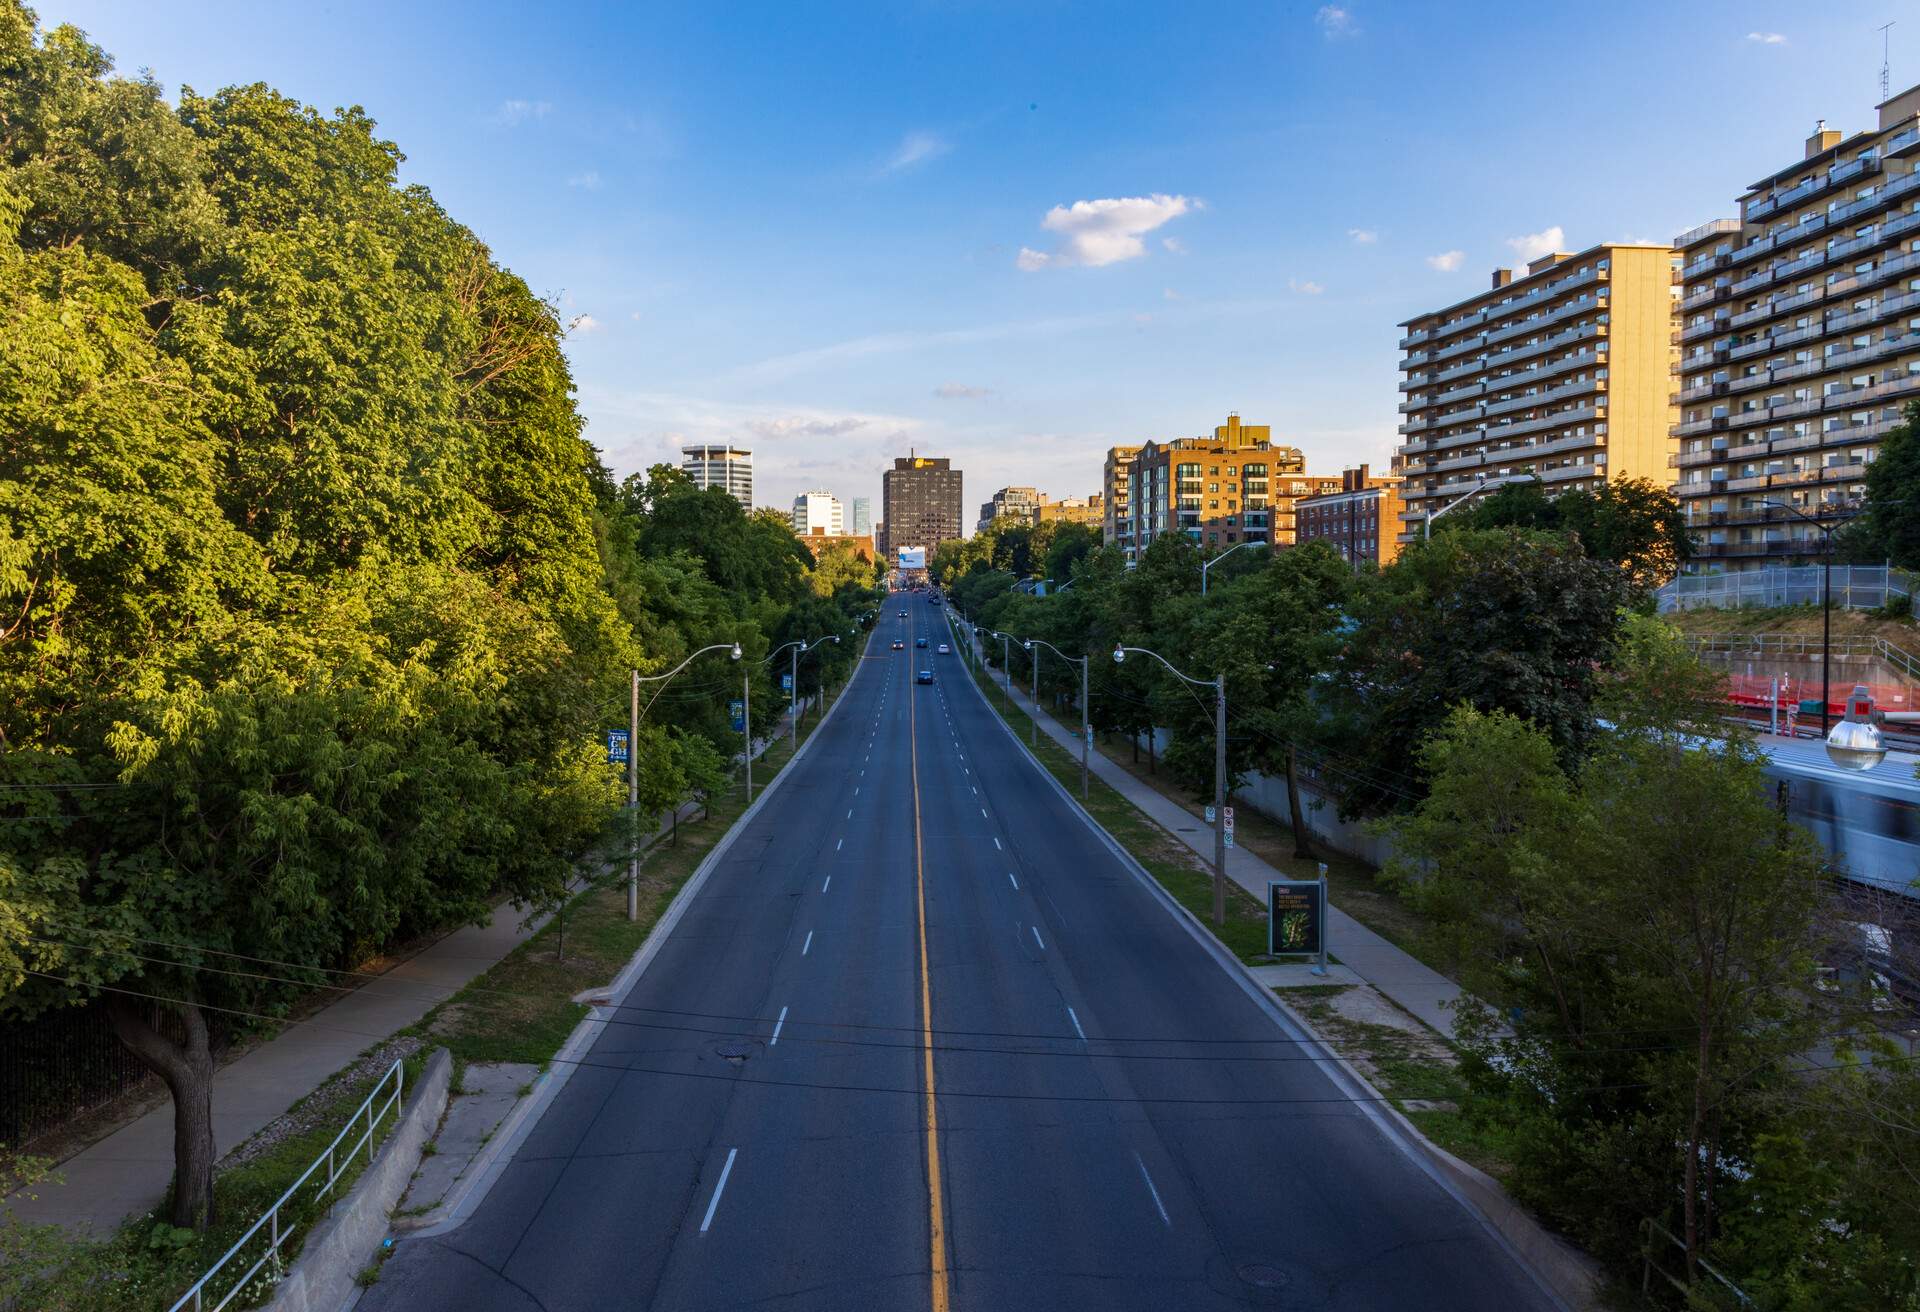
x=1889, y=526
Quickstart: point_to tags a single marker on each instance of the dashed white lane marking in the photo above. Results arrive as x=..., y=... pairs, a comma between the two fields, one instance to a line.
x=714, y=1202
x=1158, y=1205
x=997, y=847
x=1076, y=1025
x=776, y=1028
x=849, y=813
x=1013, y=881
x=856, y=790
x=809, y=943
x=837, y=846
x=1036, y=936
x=975, y=791
x=823, y=886
x=983, y=813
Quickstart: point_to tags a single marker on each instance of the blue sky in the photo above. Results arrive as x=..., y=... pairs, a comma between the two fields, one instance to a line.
x=832, y=232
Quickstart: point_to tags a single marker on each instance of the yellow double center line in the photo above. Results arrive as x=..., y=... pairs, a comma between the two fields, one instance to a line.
x=937, y=1225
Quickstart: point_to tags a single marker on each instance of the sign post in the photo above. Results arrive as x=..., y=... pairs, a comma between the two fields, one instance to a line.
x=617, y=746
x=1227, y=812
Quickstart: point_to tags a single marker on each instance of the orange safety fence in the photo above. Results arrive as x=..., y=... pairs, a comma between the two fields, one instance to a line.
x=1766, y=693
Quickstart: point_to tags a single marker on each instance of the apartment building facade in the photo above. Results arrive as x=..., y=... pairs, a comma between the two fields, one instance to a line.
x=1089, y=510
x=1019, y=502
x=1361, y=520
x=861, y=524
x=1800, y=343
x=1563, y=373
x=1116, y=488
x=920, y=503
x=723, y=466
x=1220, y=491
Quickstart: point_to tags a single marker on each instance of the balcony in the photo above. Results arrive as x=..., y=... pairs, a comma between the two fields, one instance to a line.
x=1556, y=341
x=1454, y=350
x=1460, y=394
x=1705, y=296
x=1580, y=388
x=1415, y=338
x=1565, y=472
x=1586, y=305
x=1707, y=328
x=1900, y=143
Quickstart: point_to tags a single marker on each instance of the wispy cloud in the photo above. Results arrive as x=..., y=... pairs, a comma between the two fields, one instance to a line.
x=961, y=392
x=512, y=113
x=584, y=324
x=1447, y=261
x=1767, y=38
x=773, y=429
x=1174, y=245
x=1100, y=232
x=1169, y=294
x=916, y=148
x=588, y=181
x=1305, y=287
x=1336, y=22
x=1363, y=236
x=1535, y=244
x=779, y=367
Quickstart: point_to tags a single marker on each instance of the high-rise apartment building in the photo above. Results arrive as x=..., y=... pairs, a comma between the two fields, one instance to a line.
x=728, y=467
x=1220, y=491
x=1088, y=510
x=862, y=526
x=1800, y=342
x=1361, y=520
x=1562, y=374
x=1116, y=487
x=1020, y=502
x=920, y=498
x=818, y=512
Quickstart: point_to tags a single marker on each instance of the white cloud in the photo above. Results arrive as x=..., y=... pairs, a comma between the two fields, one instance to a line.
x=1535, y=244
x=1336, y=23
x=1174, y=245
x=512, y=113
x=1767, y=38
x=961, y=392
x=916, y=148
x=805, y=426
x=590, y=180
x=1101, y=232
x=1363, y=236
x=1305, y=288
x=1447, y=261
x=1142, y=317
x=1170, y=294
x=584, y=324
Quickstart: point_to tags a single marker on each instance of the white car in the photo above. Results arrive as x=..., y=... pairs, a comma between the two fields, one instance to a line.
x=945, y=650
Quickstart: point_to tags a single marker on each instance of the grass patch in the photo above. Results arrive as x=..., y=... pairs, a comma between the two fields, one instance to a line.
x=1172, y=863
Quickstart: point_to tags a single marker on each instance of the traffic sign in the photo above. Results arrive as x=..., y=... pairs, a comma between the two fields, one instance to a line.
x=1209, y=815
x=616, y=747
x=1228, y=815
x=737, y=715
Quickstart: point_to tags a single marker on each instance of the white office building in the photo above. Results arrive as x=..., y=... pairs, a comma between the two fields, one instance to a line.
x=818, y=512
x=728, y=467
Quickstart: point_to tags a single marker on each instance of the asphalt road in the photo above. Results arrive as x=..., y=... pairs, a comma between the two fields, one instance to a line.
x=755, y=1130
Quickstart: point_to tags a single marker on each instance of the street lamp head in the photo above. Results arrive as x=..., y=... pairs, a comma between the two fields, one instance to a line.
x=1119, y=653
x=1027, y=645
x=736, y=651
x=1855, y=742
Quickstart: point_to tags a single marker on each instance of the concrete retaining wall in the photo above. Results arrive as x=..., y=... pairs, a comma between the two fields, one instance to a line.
x=346, y=1239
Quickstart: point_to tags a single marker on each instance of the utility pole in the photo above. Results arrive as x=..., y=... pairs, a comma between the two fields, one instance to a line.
x=1086, y=730
x=1033, y=720
x=633, y=799
x=1220, y=799
x=793, y=696
x=746, y=727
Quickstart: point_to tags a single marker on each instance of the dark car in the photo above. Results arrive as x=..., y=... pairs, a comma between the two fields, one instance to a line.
x=903, y=614
x=899, y=645
x=926, y=676
x=919, y=642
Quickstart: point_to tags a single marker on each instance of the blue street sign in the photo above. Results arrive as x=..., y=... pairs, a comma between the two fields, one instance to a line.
x=737, y=714
x=616, y=747
x=786, y=683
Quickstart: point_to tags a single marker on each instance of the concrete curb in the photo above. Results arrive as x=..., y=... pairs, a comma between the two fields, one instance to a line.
x=345, y=1241
x=1565, y=1274
x=471, y=1190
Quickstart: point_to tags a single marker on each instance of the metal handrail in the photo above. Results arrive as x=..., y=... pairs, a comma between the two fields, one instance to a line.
x=336, y=1164
x=1795, y=644
x=1649, y=1228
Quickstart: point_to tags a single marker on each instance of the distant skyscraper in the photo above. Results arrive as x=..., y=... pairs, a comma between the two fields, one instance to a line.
x=920, y=498
x=724, y=466
x=862, y=517
x=818, y=512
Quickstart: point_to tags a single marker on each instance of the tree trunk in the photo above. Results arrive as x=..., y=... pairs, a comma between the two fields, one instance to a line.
x=1302, y=845
x=1136, y=749
x=187, y=1070
x=1695, y=1139
x=1150, y=759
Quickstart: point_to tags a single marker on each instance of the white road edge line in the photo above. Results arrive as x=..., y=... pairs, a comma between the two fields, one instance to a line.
x=804, y=947
x=776, y=1028
x=714, y=1202
x=1076, y=1025
x=1158, y=1205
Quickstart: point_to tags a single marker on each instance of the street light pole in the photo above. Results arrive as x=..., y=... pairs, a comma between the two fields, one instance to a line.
x=1206, y=565
x=746, y=727
x=1086, y=734
x=633, y=763
x=1826, y=609
x=1219, y=686
x=1426, y=525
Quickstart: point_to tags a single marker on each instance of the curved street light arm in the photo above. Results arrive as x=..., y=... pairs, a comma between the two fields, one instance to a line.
x=1119, y=651
x=1042, y=642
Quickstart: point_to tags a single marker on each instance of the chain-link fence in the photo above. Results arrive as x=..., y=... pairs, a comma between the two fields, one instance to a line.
x=1855, y=587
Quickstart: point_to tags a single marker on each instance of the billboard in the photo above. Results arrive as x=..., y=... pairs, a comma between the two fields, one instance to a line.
x=912, y=558
x=1296, y=917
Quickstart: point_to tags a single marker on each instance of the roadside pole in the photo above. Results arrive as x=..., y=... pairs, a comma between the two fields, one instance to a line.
x=793, y=694
x=1220, y=800
x=633, y=799
x=746, y=728
x=1033, y=721
x=1086, y=733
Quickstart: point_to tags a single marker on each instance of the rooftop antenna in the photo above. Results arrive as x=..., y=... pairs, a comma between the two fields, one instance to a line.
x=1886, y=61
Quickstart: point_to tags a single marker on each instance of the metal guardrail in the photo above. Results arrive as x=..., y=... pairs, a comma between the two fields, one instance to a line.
x=1651, y=1231
x=336, y=1163
x=1808, y=646
x=1855, y=587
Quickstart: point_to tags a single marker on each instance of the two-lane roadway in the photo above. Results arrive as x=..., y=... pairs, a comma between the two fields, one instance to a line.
x=922, y=1041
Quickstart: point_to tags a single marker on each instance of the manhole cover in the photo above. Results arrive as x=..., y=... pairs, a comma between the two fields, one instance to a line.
x=1262, y=1276
x=737, y=1050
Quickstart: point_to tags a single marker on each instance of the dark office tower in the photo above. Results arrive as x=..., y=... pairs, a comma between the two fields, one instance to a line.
x=921, y=501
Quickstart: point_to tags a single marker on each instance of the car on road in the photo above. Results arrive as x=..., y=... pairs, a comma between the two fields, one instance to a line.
x=926, y=676
x=903, y=614
x=919, y=642
x=899, y=645
x=945, y=650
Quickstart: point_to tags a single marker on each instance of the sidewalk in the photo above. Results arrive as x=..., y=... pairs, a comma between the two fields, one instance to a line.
x=1408, y=981
x=128, y=1171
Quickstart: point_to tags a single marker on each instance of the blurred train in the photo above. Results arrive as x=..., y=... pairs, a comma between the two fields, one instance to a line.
x=1869, y=821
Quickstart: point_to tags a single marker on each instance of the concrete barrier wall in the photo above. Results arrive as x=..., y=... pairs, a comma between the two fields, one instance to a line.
x=347, y=1238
